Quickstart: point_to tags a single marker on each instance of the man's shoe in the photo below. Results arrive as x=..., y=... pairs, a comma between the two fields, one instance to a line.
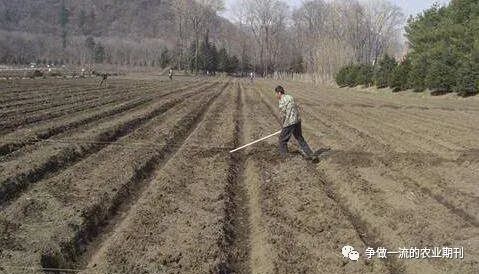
x=307, y=156
x=311, y=157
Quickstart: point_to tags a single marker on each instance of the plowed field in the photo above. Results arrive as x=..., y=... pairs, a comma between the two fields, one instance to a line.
x=136, y=178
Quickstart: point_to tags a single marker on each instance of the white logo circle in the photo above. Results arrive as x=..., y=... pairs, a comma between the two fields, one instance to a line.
x=346, y=249
x=353, y=255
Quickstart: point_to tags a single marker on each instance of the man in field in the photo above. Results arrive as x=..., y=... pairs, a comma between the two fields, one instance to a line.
x=291, y=123
x=104, y=77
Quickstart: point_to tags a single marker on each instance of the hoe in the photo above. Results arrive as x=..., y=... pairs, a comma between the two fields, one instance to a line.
x=254, y=142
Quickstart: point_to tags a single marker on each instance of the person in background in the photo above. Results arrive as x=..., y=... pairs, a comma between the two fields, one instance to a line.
x=104, y=77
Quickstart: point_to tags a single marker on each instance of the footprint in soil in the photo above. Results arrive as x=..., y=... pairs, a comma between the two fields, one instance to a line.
x=318, y=155
x=323, y=152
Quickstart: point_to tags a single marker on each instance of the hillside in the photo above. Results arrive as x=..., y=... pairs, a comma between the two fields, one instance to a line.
x=132, y=27
x=145, y=18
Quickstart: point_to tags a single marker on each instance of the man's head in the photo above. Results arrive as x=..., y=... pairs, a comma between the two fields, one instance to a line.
x=279, y=92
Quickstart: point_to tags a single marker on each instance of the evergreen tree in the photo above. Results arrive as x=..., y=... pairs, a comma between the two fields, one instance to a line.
x=208, y=57
x=212, y=61
x=223, y=60
x=475, y=59
x=99, y=53
x=467, y=77
x=349, y=76
x=383, y=73
x=364, y=76
x=442, y=70
x=400, y=78
x=417, y=74
x=164, y=58
x=466, y=80
x=444, y=53
x=341, y=77
x=442, y=40
x=233, y=64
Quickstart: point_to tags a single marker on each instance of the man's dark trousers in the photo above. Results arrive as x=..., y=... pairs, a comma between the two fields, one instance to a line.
x=285, y=135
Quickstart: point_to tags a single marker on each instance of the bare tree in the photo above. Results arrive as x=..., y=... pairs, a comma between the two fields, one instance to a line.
x=385, y=21
x=331, y=34
x=266, y=19
x=241, y=18
x=200, y=18
x=180, y=8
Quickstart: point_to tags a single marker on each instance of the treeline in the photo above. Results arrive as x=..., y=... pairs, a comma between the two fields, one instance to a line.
x=114, y=32
x=387, y=73
x=21, y=48
x=209, y=59
x=332, y=34
x=267, y=37
x=443, y=57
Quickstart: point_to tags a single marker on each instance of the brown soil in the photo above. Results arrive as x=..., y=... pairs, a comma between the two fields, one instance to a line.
x=137, y=178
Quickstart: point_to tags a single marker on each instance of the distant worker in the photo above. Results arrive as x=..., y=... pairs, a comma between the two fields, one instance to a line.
x=291, y=123
x=104, y=77
x=251, y=76
x=170, y=74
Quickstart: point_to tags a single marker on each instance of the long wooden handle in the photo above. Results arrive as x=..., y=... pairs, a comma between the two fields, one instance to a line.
x=257, y=141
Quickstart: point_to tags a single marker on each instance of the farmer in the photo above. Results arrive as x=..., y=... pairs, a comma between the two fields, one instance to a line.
x=291, y=123
x=104, y=77
x=170, y=74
